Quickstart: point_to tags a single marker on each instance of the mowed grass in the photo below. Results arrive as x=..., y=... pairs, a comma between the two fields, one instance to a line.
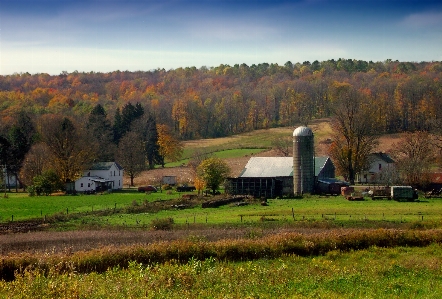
x=313, y=209
x=21, y=206
x=310, y=208
x=401, y=272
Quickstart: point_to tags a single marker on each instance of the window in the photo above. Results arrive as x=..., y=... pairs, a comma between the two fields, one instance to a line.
x=114, y=172
x=110, y=173
x=81, y=185
x=119, y=183
x=88, y=185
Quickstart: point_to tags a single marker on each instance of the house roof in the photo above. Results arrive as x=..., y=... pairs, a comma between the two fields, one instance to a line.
x=104, y=166
x=275, y=166
x=382, y=156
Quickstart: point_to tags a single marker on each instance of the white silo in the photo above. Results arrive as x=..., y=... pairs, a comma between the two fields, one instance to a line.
x=303, y=161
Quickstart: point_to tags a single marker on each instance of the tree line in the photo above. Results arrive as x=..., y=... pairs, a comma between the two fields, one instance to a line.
x=52, y=149
x=140, y=117
x=225, y=100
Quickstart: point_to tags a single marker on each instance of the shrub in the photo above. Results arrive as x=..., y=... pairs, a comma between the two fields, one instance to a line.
x=162, y=224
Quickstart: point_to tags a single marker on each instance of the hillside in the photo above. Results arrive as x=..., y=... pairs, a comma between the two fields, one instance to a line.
x=257, y=139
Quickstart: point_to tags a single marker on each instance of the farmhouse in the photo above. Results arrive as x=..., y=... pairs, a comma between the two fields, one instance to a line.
x=380, y=170
x=101, y=176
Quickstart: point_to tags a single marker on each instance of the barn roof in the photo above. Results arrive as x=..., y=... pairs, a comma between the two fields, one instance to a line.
x=275, y=166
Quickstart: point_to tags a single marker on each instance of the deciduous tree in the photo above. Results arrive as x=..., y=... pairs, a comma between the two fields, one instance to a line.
x=131, y=155
x=414, y=156
x=354, y=130
x=67, y=142
x=213, y=172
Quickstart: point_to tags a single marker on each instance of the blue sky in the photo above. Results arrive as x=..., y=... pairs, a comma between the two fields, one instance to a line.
x=51, y=36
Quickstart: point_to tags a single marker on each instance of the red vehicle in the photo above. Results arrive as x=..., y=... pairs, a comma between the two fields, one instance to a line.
x=148, y=188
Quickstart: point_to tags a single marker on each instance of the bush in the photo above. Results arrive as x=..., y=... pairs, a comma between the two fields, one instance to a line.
x=162, y=224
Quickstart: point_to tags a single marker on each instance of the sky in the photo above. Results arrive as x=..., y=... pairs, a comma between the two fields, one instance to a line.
x=52, y=36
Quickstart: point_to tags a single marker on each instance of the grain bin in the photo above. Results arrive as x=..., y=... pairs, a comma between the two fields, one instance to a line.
x=303, y=161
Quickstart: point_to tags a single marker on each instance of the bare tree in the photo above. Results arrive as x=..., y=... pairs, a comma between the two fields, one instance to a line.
x=131, y=155
x=283, y=145
x=354, y=130
x=36, y=161
x=415, y=155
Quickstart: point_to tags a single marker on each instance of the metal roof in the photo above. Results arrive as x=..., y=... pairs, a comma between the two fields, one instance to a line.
x=275, y=166
x=319, y=164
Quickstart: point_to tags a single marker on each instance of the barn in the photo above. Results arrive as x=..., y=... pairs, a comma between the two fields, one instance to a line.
x=272, y=177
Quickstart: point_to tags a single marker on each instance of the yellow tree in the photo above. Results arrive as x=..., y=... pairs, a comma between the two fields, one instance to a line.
x=170, y=147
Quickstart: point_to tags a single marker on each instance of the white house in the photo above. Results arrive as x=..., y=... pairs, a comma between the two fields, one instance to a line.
x=101, y=176
x=381, y=170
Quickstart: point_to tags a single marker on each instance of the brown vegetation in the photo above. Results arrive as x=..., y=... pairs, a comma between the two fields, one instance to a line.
x=270, y=246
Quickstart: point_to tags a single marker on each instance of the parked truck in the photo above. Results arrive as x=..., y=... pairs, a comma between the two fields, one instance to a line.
x=403, y=193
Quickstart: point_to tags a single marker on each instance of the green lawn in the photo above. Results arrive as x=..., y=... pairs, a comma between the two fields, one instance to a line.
x=23, y=207
x=310, y=208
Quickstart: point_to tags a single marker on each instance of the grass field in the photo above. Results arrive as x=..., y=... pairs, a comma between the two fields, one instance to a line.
x=371, y=273
x=217, y=152
x=311, y=208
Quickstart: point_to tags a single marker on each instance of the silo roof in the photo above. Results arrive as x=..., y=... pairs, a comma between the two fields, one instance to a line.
x=302, y=131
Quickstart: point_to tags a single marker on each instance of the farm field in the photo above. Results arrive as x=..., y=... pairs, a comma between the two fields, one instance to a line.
x=91, y=245
x=337, y=208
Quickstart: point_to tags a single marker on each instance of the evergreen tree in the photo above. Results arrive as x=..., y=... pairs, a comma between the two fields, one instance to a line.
x=101, y=131
x=151, y=144
x=123, y=121
x=20, y=136
x=117, y=128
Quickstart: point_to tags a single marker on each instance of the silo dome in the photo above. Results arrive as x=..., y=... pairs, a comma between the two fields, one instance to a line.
x=302, y=131
x=303, y=161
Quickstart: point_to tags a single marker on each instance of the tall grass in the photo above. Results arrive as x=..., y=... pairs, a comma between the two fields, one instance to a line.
x=273, y=246
x=372, y=273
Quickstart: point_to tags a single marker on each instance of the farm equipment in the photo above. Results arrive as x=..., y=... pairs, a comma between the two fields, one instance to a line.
x=380, y=193
x=433, y=193
x=403, y=193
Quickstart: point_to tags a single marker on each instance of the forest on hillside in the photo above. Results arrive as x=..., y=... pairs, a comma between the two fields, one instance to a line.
x=224, y=100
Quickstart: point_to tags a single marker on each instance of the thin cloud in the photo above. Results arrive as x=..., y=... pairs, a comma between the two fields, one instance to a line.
x=423, y=20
